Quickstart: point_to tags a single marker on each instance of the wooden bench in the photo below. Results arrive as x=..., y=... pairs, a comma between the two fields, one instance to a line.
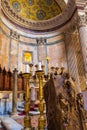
x=10, y=124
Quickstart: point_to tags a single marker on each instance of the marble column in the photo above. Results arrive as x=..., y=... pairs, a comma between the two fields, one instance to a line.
x=83, y=38
x=14, y=98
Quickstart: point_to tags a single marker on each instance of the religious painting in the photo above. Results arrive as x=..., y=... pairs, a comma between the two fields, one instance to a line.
x=27, y=57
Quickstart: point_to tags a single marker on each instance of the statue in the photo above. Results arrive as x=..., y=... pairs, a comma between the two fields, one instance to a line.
x=60, y=98
x=52, y=110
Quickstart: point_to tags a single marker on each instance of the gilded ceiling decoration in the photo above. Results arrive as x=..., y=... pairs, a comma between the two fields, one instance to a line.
x=38, y=15
x=36, y=9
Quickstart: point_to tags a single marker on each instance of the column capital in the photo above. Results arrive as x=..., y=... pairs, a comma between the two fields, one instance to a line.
x=41, y=41
x=82, y=20
x=82, y=12
x=14, y=34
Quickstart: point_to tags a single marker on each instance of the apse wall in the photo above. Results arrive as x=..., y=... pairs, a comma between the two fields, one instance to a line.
x=4, y=46
x=13, y=45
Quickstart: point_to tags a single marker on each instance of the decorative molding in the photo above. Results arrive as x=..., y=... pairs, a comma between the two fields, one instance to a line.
x=48, y=44
x=26, y=36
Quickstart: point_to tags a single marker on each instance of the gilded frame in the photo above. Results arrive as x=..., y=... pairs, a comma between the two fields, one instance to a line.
x=27, y=57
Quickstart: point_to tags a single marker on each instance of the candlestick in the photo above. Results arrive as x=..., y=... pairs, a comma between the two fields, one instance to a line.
x=27, y=122
x=42, y=120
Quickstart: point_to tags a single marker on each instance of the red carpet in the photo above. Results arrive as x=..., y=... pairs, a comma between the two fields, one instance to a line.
x=32, y=109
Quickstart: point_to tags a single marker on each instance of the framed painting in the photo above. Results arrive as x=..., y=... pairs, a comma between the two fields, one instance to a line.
x=27, y=57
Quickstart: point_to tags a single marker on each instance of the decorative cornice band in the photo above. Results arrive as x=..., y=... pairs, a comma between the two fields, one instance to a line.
x=48, y=44
x=34, y=44
x=26, y=36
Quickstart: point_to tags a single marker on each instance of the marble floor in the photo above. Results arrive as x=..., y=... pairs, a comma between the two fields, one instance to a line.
x=20, y=120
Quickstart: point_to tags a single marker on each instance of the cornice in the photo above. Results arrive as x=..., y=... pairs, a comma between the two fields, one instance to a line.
x=16, y=36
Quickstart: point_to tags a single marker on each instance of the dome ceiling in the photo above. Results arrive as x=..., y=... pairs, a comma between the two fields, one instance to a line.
x=38, y=15
x=36, y=9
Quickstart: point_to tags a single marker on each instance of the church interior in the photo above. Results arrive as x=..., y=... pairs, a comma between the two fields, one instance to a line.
x=43, y=65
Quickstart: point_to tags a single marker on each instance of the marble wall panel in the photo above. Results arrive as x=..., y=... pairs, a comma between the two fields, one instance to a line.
x=57, y=55
x=4, y=48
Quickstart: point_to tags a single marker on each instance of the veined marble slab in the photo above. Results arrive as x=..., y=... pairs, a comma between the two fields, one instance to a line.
x=10, y=124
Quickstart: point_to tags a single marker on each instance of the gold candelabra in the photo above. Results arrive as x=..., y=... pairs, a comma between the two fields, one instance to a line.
x=39, y=80
x=41, y=124
x=27, y=122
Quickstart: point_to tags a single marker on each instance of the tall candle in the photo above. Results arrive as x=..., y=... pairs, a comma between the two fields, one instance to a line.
x=39, y=66
x=27, y=69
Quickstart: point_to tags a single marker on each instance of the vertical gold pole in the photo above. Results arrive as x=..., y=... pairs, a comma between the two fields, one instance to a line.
x=27, y=123
x=41, y=124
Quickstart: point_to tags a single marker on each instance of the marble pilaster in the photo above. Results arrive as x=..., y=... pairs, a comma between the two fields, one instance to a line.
x=10, y=49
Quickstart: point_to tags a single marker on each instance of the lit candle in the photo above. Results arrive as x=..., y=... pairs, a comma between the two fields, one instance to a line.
x=27, y=68
x=39, y=66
